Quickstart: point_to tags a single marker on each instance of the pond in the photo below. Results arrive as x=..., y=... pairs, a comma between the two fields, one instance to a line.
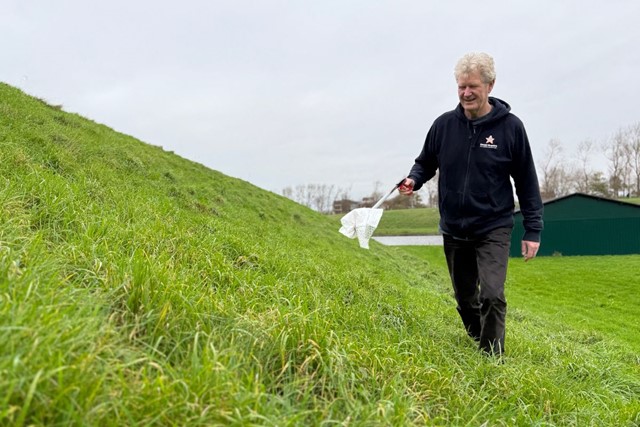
x=409, y=240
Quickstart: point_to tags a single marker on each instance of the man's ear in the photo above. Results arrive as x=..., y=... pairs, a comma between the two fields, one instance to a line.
x=491, y=85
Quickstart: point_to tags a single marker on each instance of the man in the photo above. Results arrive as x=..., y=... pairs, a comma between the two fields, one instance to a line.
x=477, y=148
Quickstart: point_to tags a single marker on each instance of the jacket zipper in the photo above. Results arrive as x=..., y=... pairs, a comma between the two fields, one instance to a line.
x=472, y=139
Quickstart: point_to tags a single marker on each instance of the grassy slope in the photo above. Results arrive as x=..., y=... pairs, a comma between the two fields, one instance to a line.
x=138, y=288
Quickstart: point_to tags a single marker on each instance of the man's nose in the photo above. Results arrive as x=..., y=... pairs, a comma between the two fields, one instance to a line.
x=466, y=92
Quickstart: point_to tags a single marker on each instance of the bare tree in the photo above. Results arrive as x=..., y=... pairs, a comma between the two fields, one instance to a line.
x=583, y=158
x=616, y=152
x=343, y=193
x=323, y=197
x=634, y=155
x=548, y=169
x=556, y=178
x=319, y=197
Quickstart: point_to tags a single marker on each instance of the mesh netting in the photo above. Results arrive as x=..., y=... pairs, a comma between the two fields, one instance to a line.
x=361, y=223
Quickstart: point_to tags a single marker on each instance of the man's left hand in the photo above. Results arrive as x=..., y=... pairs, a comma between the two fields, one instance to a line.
x=529, y=249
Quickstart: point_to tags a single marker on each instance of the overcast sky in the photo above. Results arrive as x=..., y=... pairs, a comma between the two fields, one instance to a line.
x=283, y=93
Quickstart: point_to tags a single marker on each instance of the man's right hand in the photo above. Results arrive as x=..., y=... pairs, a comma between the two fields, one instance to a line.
x=406, y=187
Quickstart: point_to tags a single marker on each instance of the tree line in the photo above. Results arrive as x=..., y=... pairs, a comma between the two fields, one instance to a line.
x=560, y=173
x=327, y=198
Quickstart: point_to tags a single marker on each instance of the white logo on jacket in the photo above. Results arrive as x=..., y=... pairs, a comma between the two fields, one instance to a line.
x=489, y=143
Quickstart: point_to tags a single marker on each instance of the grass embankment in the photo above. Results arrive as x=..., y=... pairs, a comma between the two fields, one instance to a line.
x=139, y=288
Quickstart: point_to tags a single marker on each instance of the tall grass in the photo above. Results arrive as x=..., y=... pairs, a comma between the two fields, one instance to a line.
x=139, y=288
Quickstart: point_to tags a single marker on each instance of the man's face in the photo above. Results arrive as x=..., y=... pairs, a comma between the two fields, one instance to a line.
x=474, y=95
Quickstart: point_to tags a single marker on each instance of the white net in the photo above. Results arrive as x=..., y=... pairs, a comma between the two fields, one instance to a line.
x=361, y=223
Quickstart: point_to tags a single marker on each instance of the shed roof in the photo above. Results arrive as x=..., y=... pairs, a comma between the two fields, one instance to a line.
x=581, y=205
x=591, y=196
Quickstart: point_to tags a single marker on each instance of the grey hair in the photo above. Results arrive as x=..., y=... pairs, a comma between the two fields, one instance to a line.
x=476, y=61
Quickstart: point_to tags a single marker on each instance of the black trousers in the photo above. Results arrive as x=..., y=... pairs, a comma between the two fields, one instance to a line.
x=478, y=270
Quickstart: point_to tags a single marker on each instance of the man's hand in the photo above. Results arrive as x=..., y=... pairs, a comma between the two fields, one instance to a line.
x=406, y=187
x=529, y=249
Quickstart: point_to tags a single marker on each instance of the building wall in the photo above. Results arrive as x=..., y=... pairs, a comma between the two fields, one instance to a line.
x=580, y=225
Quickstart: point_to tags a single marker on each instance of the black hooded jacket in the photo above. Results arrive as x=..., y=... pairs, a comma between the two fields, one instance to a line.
x=476, y=159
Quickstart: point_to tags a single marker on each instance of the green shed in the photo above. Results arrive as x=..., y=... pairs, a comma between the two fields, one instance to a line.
x=582, y=224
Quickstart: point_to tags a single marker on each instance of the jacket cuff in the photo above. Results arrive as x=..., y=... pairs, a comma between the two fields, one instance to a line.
x=531, y=236
x=417, y=185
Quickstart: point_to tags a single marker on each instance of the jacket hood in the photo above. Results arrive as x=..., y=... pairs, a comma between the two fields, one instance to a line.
x=500, y=109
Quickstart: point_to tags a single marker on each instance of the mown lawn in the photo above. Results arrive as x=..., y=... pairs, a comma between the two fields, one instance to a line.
x=635, y=200
x=595, y=294
x=409, y=222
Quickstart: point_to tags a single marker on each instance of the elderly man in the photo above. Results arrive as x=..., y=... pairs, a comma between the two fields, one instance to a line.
x=477, y=148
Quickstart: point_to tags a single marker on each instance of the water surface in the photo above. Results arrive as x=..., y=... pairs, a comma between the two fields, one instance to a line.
x=409, y=240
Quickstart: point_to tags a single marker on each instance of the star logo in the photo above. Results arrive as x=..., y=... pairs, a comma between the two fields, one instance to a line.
x=490, y=139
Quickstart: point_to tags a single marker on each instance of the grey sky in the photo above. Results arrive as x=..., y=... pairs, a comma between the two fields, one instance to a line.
x=281, y=93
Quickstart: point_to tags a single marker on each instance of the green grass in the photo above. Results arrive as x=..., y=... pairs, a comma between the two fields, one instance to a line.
x=139, y=288
x=409, y=222
x=596, y=295
x=635, y=200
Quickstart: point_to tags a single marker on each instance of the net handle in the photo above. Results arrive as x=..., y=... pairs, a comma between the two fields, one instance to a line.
x=386, y=196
